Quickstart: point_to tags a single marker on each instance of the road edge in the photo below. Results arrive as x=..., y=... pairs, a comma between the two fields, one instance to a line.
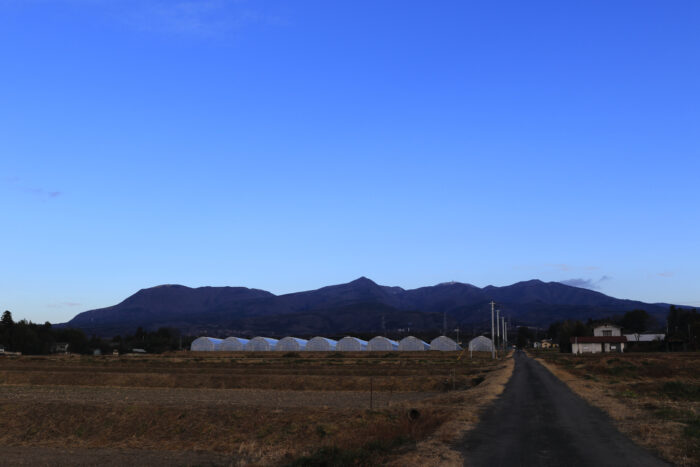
x=626, y=418
x=441, y=448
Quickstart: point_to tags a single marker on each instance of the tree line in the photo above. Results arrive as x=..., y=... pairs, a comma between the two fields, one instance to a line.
x=42, y=339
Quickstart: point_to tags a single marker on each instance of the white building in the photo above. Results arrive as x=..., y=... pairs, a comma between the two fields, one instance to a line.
x=606, y=338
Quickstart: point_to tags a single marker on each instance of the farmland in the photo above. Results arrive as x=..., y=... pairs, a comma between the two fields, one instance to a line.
x=654, y=398
x=238, y=408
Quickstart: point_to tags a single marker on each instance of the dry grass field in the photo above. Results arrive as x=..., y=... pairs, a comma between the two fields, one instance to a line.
x=653, y=397
x=237, y=408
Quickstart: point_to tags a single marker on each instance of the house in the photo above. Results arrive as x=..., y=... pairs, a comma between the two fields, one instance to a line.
x=548, y=344
x=605, y=338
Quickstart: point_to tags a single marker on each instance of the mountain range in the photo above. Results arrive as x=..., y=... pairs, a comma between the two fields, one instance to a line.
x=360, y=306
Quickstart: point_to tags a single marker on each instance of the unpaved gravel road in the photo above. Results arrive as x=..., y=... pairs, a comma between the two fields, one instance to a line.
x=539, y=421
x=204, y=397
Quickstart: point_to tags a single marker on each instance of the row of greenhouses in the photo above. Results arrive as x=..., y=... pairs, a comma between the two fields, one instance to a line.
x=321, y=344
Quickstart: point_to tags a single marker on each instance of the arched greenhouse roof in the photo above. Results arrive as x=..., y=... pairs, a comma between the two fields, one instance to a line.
x=351, y=344
x=412, y=343
x=291, y=344
x=233, y=344
x=444, y=344
x=261, y=344
x=321, y=344
x=481, y=344
x=381, y=343
x=205, y=344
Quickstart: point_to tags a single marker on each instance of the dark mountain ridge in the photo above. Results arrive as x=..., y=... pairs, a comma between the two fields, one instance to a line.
x=358, y=306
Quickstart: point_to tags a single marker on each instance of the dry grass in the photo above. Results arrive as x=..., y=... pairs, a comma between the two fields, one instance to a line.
x=180, y=403
x=653, y=398
x=465, y=409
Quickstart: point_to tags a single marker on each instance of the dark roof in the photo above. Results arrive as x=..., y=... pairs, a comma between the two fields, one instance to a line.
x=603, y=339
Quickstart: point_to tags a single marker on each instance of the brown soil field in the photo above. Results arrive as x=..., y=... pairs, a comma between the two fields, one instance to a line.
x=235, y=409
x=654, y=398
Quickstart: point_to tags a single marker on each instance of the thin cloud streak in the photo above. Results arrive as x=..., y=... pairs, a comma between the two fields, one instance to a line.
x=15, y=183
x=586, y=283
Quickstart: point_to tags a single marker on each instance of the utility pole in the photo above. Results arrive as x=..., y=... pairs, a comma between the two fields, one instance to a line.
x=505, y=335
x=444, y=323
x=493, y=340
x=498, y=329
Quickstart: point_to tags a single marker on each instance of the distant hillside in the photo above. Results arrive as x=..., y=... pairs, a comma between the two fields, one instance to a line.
x=358, y=306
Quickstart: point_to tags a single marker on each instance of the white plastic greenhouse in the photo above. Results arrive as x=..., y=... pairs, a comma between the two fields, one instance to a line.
x=261, y=344
x=233, y=344
x=411, y=343
x=382, y=343
x=291, y=344
x=321, y=344
x=481, y=344
x=351, y=344
x=443, y=343
x=205, y=344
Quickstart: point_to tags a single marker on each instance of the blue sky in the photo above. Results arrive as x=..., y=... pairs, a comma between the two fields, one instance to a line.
x=288, y=145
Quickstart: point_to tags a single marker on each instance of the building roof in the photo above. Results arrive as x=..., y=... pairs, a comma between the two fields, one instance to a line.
x=598, y=339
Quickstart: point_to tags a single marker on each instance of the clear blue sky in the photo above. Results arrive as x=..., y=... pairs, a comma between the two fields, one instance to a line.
x=288, y=145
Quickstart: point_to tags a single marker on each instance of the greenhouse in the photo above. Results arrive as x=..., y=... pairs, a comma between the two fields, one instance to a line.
x=321, y=344
x=481, y=344
x=382, y=343
x=443, y=343
x=264, y=344
x=411, y=343
x=291, y=344
x=233, y=344
x=351, y=344
x=205, y=344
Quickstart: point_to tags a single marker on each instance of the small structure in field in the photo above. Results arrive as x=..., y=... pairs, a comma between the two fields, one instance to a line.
x=60, y=347
x=411, y=343
x=321, y=344
x=205, y=344
x=351, y=344
x=481, y=344
x=606, y=338
x=381, y=343
x=261, y=344
x=645, y=337
x=233, y=344
x=291, y=344
x=444, y=343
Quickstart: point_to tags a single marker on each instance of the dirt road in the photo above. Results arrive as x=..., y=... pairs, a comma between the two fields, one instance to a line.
x=538, y=421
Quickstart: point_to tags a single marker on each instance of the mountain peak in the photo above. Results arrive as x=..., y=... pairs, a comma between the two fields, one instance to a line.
x=363, y=281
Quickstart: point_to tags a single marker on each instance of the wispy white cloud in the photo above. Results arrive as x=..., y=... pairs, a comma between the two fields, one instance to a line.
x=586, y=283
x=194, y=18
x=205, y=18
x=16, y=183
x=63, y=304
